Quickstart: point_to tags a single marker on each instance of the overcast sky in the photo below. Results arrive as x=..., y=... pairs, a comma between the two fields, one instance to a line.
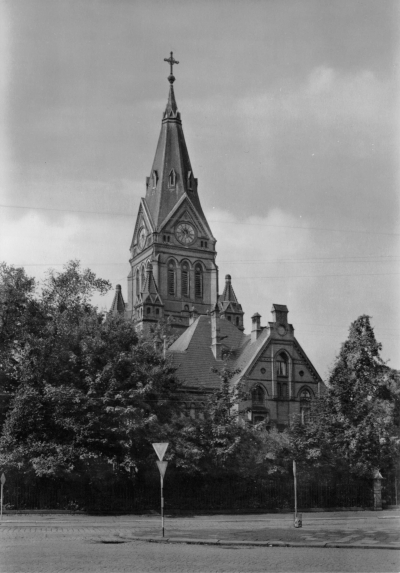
x=290, y=113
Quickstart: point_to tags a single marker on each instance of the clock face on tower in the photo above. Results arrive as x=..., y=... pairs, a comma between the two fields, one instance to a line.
x=185, y=233
x=142, y=237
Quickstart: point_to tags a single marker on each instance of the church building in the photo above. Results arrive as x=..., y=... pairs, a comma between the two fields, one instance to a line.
x=174, y=275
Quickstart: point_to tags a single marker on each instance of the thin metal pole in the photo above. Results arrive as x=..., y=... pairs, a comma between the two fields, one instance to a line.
x=1, y=514
x=395, y=487
x=162, y=505
x=295, y=489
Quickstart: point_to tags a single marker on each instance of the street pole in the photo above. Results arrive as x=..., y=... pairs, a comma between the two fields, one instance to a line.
x=295, y=491
x=297, y=518
x=3, y=481
x=160, y=449
x=162, y=505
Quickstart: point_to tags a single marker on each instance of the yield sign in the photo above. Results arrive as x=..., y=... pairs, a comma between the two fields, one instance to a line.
x=160, y=450
x=162, y=467
x=3, y=479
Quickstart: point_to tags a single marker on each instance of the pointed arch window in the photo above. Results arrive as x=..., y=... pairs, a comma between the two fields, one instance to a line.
x=189, y=180
x=137, y=282
x=198, y=282
x=172, y=178
x=171, y=278
x=257, y=395
x=185, y=280
x=283, y=363
x=305, y=406
x=143, y=277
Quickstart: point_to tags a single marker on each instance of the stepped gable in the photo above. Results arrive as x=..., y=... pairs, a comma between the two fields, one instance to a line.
x=118, y=304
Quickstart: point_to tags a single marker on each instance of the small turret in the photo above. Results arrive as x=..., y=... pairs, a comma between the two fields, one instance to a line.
x=229, y=307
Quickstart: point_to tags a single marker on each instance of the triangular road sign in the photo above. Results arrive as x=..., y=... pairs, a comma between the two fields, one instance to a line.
x=162, y=466
x=160, y=450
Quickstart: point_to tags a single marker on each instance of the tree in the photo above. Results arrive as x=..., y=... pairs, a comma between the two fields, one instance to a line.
x=90, y=394
x=219, y=443
x=354, y=427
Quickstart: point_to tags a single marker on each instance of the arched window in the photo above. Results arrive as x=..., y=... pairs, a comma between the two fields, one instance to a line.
x=171, y=278
x=172, y=178
x=198, y=282
x=305, y=406
x=189, y=180
x=201, y=411
x=192, y=411
x=142, y=279
x=154, y=179
x=137, y=282
x=185, y=280
x=237, y=321
x=282, y=363
x=257, y=395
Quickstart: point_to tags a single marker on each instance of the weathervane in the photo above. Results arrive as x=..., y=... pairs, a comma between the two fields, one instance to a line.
x=171, y=61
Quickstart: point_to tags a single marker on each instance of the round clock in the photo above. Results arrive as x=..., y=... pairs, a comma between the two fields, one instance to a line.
x=282, y=330
x=185, y=233
x=142, y=237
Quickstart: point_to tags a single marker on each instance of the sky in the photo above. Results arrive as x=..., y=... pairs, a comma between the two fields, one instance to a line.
x=290, y=110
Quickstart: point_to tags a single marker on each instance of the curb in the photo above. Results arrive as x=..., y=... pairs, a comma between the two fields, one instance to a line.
x=221, y=542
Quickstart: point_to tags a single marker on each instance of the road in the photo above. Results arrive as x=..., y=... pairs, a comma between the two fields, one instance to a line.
x=53, y=544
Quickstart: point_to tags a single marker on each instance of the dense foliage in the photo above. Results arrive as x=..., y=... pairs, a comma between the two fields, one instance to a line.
x=88, y=394
x=355, y=426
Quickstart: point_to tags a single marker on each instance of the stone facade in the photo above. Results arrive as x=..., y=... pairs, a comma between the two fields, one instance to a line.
x=174, y=275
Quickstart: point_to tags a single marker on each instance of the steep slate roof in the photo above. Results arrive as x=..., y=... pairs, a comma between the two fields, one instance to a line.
x=191, y=353
x=171, y=154
x=118, y=304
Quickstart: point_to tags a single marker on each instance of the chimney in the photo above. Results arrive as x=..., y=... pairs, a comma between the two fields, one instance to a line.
x=279, y=313
x=215, y=333
x=255, y=326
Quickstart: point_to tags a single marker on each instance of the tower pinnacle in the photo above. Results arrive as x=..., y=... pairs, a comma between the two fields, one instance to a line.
x=171, y=61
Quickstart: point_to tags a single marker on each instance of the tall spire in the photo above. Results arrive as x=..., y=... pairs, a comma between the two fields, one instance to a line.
x=171, y=175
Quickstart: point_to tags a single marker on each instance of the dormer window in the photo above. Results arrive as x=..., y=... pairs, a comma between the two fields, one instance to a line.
x=189, y=180
x=172, y=178
x=154, y=179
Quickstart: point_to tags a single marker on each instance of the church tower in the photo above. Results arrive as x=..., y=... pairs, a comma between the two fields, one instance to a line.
x=173, y=269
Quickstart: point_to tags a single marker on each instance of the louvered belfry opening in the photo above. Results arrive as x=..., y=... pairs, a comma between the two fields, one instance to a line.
x=198, y=279
x=185, y=280
x=171, y=278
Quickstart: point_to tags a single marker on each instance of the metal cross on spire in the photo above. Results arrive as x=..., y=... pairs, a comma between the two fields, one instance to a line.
x=171, y=60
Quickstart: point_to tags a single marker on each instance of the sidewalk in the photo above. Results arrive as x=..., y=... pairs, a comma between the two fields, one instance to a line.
x=364, y=529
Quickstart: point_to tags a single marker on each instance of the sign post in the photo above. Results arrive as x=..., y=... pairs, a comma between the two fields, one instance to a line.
x=160, y=449
x=297, y=518
x=3, y=481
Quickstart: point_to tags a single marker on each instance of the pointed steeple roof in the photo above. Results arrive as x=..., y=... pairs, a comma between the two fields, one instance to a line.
x=118, y=304
x=171, y=176
x=229, y=294
x=150, y=291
